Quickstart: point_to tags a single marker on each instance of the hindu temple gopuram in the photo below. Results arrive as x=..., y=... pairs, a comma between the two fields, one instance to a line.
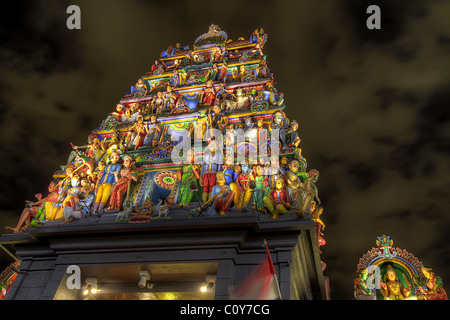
x=181, y=185
x=388, y=273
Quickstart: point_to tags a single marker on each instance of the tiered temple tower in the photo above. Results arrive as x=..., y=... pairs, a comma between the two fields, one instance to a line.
x=181, y=184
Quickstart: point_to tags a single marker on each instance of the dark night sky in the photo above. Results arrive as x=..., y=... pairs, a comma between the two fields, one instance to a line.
x=373, y=105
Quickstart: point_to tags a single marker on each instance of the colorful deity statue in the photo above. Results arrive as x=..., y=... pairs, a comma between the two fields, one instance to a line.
x=170, y=98
x=158, y=102
x=105, y=183
x=361, y=290
x=115, y=143
x=316, y=212
x=201, y=125
x=71, y=207
x=278, y=202
x=187, y=60
x=135, y=107
x=433, y=289
x=223, y=194
x=230, y=135
x=283, y=165
x=94, y=149
x=98, y=172
x=119, y=114
x=214, y=119
x=136, y=133
x=217, y=55
x=209, y=94
x=392, y=288
x=153, y=133
x=157, y=68
x=174, y=79
x=231, y=174
x=223, y=74
x=31, y=210
x=244, y=181
x=189, y=176
x=88, y=187
x=271, y=170
x=122, y=184
x=140, y=86
x=214, y=73
x=72, y=196
x=240, y=74
x=66, y=183
x=293, y=140
x=279, y=123
x=263, y=69
x=221, y=94
x=385, y=243
x=129, y=116
x=212, y=163
x=293, y=184
x=310, y=190
x=261, y=190
x=241, y=101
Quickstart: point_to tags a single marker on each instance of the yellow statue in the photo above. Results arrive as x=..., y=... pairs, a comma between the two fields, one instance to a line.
x=433, y=289
x=392, y=288
x=278, y=201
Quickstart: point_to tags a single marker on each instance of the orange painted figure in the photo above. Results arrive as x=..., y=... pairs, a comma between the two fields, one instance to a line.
x=127, y=174
x=433, y=289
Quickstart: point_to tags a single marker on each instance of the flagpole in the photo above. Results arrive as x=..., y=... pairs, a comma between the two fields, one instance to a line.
x=272, y=267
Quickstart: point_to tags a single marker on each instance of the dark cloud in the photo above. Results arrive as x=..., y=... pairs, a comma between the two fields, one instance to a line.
x=372, y=104
x=394, y=17
x=37, y=39
x=364, y=175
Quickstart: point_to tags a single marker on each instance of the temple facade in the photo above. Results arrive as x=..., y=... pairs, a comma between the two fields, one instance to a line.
x=191, y=182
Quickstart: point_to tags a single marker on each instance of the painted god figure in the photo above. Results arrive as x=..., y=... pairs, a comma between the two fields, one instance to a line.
x=201, y=125
x=278, y=202
x=231, y=174
x=212, y=163
x=223, y=75
x=392, y=288
x=361, y=290
x=316, y=212
x=224, y=197
x=136, y=133
x=170, y=99
x=280, y=123
x=310, y=189
x=32, y=209
x=123, y=183
x=188, y=175
x=433, y=288
x=294, y=139
x=94, y=149
x=72, y=207
x=244, y=179
x=209, y=94
x=153, y=133
x=73, y=193
x=293, y=184
x=106, y=182
x=261, y=191
x=158, y=103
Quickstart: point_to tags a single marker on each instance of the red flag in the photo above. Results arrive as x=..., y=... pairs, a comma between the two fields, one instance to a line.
x=261, y=283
